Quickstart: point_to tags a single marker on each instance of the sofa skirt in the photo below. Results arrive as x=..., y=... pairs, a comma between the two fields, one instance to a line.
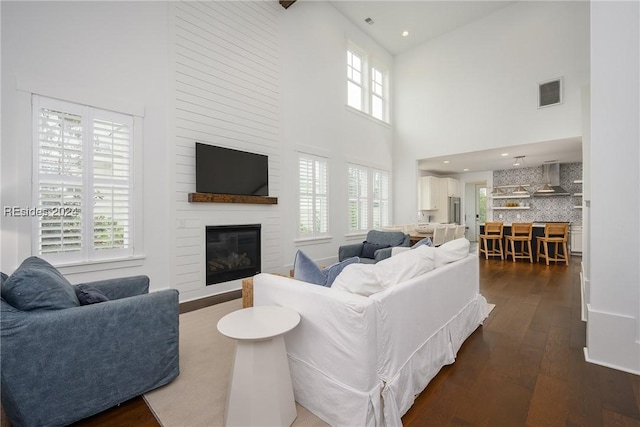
x=440, y=349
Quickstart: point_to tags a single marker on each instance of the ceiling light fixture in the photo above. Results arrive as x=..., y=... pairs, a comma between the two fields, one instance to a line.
x=504, y=154
x=446, y=162
x=405, y=33
x=519, y=160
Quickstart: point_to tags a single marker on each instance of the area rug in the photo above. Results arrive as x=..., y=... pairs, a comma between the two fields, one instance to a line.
x=197, y=398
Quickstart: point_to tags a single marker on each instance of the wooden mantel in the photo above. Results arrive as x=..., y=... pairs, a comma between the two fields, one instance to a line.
x=231, y=198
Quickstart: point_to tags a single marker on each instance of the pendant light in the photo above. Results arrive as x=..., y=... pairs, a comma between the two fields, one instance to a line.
x=520, y=190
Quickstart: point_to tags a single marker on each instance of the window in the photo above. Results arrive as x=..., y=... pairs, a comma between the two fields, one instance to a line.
x=380, y=198
x=82, y=182
x=354, y=80
x=368, y=198
x=377, y=94
x=367, y=87
x=358, y=198
x=313, y=196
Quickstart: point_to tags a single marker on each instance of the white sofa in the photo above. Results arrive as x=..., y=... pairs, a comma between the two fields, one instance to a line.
x=361, y=360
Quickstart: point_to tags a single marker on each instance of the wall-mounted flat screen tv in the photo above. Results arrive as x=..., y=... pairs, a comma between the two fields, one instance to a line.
x=227, y=171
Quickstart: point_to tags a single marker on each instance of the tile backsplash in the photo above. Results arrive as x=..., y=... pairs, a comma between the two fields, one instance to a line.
x=542, y=209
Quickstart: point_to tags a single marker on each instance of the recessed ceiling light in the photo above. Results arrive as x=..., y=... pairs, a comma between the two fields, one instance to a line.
x=465, y=170
x=405, y=33
x=504, y=154
x=446, y=162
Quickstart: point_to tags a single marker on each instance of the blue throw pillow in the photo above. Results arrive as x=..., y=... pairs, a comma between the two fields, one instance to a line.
x=37, y=285
x=333, y=270
x=369, y=249
x=426, y=241
x=306, y=270
x=89, y=295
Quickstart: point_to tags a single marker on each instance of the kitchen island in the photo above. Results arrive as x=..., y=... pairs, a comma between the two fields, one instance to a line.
x=538, y=231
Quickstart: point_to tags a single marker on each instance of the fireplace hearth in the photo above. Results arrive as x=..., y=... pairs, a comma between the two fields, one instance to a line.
x=232, y=252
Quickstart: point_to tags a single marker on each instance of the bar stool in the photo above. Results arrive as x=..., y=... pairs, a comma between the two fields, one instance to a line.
x=520, y=232
x=493, y=231
x=557, y=234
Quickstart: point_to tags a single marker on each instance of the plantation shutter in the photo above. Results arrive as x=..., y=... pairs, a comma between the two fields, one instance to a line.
x=313, y=204
x=380, y=198
x=111, y=183
x=60, y=194
x=82, y=181
x=305, y=177
x=358, y=193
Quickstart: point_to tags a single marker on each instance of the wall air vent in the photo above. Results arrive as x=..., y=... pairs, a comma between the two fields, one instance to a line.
x=550, y=93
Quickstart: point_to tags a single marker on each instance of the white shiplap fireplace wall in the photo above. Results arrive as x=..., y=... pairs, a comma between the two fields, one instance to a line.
x=225, y=67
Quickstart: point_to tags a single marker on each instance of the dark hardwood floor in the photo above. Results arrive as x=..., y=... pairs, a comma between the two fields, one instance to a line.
x=524, y=367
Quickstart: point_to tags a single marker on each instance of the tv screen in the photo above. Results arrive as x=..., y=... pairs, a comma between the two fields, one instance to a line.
x=227, y=171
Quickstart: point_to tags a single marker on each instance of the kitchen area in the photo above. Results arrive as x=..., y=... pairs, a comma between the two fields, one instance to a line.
x=523, y=195
x=549, y=193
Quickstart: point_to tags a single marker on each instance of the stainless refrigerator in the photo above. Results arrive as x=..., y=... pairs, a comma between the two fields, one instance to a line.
x=454, y=210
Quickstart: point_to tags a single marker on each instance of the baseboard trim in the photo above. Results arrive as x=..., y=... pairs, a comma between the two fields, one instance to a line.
x=608, y=365
x=199, y=303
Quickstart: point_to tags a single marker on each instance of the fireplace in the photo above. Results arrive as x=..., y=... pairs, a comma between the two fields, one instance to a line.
x=233, y=252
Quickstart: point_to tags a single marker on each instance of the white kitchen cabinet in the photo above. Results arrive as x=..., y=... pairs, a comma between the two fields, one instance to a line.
x=452, y=186
x=575, y=234
x=429, y=193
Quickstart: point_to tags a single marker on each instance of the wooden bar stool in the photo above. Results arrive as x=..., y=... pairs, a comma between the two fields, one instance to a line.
x=493, y=232
x=556, y=234
x=520, y=232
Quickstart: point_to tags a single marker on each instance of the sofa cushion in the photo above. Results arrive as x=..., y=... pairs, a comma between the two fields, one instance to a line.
x=368, y=279
x=89, y=295
x=306, y=270
x=451, y=251
x=405, y=266
x=361, y=279
x=37, y=285
x=369, y=249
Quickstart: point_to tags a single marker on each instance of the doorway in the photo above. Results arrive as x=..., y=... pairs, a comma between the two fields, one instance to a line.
x=475, y=208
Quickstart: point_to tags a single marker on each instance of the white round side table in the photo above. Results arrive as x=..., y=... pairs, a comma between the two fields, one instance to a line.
x=260, y=391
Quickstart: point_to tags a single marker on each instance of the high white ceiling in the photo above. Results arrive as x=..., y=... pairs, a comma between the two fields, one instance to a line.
x=428, y=19
x=423, y=19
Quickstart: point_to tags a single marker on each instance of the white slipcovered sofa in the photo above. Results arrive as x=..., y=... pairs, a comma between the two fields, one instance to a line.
x=360, y=360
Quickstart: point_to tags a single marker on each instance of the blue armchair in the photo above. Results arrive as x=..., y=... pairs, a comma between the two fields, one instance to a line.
x=375, y=248
x=62, y=361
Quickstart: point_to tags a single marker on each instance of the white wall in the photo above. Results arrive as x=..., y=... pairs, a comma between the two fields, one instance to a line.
x=476, y=88
x=106, y=54
x=315, y=117
x=196, y=73
x=613, y=325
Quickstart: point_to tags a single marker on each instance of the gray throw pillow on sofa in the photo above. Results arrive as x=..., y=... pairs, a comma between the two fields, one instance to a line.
x=306, y=270
x=37, y=285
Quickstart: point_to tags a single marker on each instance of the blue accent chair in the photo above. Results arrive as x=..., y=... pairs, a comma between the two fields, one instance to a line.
x=376, y=247
x=60, y=365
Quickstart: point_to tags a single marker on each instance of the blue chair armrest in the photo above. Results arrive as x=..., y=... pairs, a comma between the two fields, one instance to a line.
x=349, y=251
x=381, y=254
x=122, y=287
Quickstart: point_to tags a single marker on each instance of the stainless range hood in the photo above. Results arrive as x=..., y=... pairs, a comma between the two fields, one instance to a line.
x=551, y=179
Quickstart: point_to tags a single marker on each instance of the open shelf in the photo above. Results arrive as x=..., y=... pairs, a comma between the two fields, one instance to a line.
x=231, y=198
x=513, y=196
x=510, y=207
